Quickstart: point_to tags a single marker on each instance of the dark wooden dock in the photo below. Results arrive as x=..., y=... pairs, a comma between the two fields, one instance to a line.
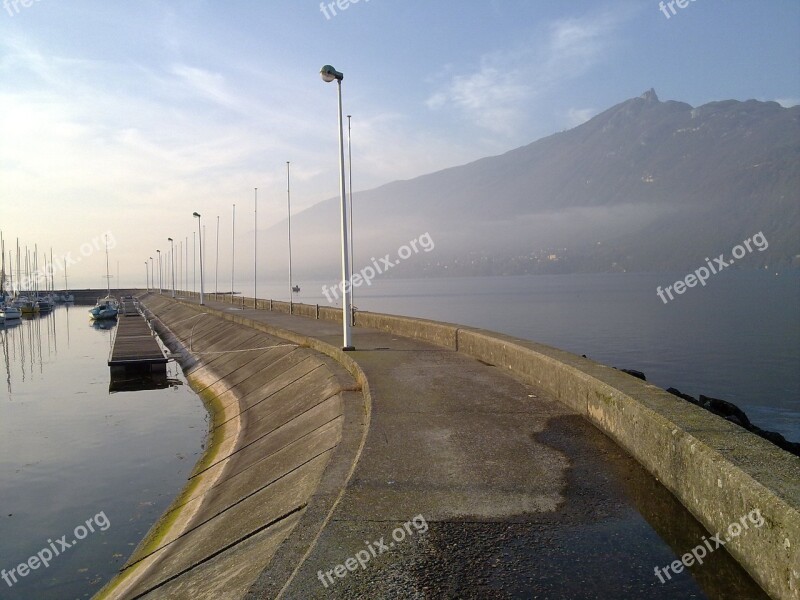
x=135, y=348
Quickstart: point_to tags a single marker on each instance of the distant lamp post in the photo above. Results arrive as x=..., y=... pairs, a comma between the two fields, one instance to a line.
x=329, y=74
x=350, y=186
x=159, y=272
x=196, y=214
x=289, y=211
x=216, y=266
x=147, y=275
x=172, y=262
x=233, y=248
x=255, y=251
x=152, y=274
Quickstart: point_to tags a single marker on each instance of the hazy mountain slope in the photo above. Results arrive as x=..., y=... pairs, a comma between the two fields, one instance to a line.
x=660, y=184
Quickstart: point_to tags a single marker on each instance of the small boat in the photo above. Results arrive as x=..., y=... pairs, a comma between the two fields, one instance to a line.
x=27, y=306
x=296, y=289
x=45, y=303
x=10, y=313
x=106, y=308
x=66, y=296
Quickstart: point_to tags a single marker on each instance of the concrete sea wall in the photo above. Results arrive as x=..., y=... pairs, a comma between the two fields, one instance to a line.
x=287, y=423
x=719, y=471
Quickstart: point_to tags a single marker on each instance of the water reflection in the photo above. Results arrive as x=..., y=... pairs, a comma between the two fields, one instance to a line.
x=104, y=324
x=31, y=342
x=69, y=449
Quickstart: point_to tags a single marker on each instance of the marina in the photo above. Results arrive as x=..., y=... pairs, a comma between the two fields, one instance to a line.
x=65, y=435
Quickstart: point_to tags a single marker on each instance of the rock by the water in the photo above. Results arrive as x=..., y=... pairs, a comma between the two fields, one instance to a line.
x=635, y=373
x=734, y=414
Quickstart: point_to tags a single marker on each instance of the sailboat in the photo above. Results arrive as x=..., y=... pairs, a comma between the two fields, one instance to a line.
x=108, y=307
x=8, y=312
x=66, y=296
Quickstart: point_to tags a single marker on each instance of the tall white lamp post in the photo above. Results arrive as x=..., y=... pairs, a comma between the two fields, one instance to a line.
x=329, y=74
x=172, y=262
x=197, y=215
x=289, y=209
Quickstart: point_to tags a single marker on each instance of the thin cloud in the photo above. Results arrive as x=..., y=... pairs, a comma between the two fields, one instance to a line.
x=498, y=97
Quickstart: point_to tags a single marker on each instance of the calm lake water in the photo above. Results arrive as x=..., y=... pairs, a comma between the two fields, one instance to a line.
x=738, y=338
x=70, y=451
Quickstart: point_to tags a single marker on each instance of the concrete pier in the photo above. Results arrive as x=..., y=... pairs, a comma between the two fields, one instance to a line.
x=464, y=462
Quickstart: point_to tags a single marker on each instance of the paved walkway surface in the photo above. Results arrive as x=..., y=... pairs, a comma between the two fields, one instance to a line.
x=472, y=484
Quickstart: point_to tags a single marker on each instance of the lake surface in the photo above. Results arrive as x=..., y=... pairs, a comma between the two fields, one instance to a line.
x=737, y=338
x=71, y=452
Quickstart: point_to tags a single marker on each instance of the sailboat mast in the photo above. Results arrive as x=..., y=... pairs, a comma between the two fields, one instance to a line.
x=19, y=268
x=2, y=266
x=108, y=277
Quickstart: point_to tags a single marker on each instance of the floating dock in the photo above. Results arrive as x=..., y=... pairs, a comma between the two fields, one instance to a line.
x=136, y=349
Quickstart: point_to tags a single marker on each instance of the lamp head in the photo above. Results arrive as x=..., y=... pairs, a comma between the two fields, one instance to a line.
x=169, y=239
x=328, y=74
x=196, y=215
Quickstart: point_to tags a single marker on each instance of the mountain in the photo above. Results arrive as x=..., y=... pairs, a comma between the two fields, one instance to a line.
x=644, y=186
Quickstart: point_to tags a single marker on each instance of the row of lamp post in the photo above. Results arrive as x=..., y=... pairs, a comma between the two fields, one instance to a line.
x=329, y=75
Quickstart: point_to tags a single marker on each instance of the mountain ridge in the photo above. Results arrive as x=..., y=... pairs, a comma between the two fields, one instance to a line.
x=659, y=184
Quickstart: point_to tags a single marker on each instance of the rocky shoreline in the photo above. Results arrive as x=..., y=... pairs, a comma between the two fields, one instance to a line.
x=730, y=412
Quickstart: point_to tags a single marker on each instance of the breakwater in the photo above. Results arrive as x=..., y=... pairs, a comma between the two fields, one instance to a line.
x=717, y=470
x=278, y=418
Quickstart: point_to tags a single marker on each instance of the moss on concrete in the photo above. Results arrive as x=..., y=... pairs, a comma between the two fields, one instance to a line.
x=159, y=531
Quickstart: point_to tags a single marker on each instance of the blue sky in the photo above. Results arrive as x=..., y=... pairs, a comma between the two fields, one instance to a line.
x=126, y=117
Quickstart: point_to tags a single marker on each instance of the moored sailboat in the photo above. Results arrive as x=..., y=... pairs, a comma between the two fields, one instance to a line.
x=108, y=307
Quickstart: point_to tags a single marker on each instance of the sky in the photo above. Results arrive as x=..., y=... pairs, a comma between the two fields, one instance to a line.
x=121, y=119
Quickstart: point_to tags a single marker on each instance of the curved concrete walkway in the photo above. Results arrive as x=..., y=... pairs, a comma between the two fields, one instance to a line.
x=472, y=484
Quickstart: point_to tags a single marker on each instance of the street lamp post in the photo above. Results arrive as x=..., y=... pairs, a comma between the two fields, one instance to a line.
x=329, y=74
x=350, y=185
x=159, y=272
x=180, y=263
x=289, y=208
x=255, y=253
x=233, y=248
x=172, y=262
x=147, y=275
x=216, y=266
x=201, y=256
